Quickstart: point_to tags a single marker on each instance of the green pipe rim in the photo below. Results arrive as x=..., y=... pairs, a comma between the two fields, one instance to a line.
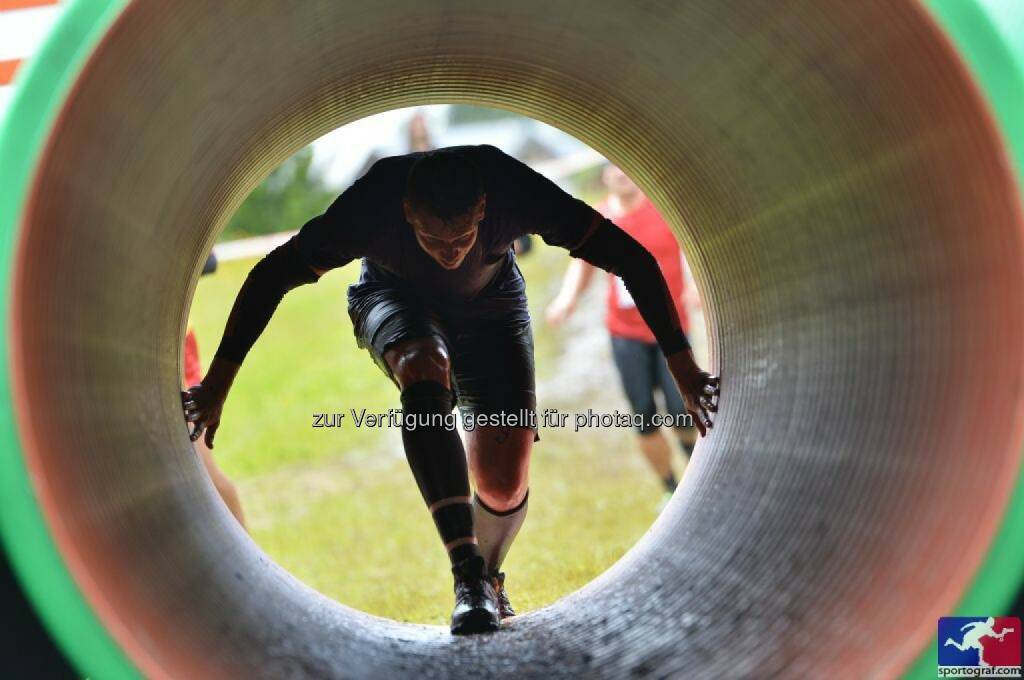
x=24, y=533
x=44, y=83
x=1000, y=75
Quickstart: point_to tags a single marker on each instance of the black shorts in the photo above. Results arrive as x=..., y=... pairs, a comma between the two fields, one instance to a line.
x=492, y=362
x=643, y=370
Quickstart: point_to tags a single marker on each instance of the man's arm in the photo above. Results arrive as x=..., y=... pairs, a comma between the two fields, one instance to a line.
x=564, y=221
x=331, y=240
x=610, y=248
x=326, y=242
x=607, y=246
x=281, y=270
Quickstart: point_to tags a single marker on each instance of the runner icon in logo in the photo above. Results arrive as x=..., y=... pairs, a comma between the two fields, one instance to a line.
x=972, y=638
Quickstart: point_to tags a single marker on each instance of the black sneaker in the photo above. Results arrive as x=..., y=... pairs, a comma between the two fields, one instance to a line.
x=476, y=603
x=504, y=606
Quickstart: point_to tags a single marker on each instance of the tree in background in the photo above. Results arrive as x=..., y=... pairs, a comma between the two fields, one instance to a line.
x=292, y=194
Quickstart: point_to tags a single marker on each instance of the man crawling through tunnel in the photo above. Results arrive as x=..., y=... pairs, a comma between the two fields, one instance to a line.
x=441, y=307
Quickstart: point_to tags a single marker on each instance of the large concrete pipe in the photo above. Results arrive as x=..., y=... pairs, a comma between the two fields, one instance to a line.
x=835, y=175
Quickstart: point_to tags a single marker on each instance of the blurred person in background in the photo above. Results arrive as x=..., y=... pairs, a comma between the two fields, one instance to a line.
x=638, y=360
x=418, y=134
x=441, y=308
x=193, y=375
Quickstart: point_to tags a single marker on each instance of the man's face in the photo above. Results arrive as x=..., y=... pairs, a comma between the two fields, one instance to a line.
x=446, y=241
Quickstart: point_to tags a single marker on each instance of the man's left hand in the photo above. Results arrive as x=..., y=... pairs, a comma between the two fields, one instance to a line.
x=700, y=389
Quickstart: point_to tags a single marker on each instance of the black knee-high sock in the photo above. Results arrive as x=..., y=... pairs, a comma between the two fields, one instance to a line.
x=438, y=462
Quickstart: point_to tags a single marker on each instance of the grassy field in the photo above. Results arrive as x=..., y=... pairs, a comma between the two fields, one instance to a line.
x=339, y=507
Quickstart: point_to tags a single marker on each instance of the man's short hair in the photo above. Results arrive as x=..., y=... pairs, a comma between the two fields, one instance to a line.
x=444, y=183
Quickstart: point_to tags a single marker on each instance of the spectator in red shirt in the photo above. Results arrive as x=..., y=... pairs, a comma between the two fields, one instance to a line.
x=641, y=366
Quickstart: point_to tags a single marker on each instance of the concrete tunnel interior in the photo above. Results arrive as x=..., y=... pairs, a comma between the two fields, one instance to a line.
x=851, y=217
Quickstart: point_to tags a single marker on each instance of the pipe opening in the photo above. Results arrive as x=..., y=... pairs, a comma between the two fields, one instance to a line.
x=849, y=211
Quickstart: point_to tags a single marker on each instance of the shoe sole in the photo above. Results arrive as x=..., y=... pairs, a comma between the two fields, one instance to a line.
x=474, y=622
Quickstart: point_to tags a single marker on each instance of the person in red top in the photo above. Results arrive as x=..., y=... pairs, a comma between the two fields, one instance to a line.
x=641, y=366
x=193, y=371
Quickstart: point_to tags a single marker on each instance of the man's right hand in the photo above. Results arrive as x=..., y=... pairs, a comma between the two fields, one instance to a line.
x=203, y=403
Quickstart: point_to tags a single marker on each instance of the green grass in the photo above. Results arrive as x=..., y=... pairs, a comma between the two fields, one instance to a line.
x=339, y=507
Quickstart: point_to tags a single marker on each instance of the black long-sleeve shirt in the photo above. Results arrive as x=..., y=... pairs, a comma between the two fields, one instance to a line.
x=368, y=221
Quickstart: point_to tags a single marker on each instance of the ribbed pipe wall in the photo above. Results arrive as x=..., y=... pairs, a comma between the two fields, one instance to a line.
x=838, y=184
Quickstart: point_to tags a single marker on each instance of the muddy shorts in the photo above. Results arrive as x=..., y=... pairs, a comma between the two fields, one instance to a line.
x=492, y=362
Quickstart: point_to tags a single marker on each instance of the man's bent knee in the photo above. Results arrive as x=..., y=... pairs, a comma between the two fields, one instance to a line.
x=501, y=469
x=502, y=497
x=417, y=360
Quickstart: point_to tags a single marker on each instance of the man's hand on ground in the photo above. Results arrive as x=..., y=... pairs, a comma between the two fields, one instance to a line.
x=700, y=389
